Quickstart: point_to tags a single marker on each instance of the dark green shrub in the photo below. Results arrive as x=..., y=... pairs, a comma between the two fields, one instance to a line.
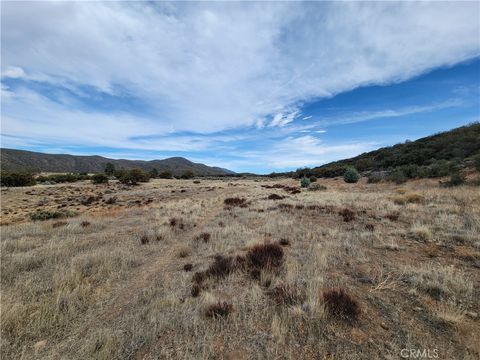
x=397, y=176
x=312, y=179
x=17, y=179
x=48, y=214
x=476, y=162
x=456, y=179
x=165, y=175
x=374, y=177
x=99, y=179
x=63, y=178
x=109, y=169
x=304, y=182
x=153, y=173
x=351, y=175
x=187, y=175
x=133, y=177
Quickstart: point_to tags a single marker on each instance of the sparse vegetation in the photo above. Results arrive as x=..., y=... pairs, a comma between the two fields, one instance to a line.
x=347, y=260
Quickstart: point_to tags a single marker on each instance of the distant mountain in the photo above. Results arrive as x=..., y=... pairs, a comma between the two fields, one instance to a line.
x=422, y=157
x=21, y=160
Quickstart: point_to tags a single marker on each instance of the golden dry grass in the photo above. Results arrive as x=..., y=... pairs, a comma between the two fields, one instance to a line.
x=111, y=282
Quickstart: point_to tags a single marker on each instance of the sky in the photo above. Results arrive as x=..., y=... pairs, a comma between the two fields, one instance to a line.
x=249, y=86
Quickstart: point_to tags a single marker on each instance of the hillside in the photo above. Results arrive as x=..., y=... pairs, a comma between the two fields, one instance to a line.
x=455, y=147
x=21, y=160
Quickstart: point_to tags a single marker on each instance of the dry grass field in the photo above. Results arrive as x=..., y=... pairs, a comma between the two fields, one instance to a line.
x=240, y=269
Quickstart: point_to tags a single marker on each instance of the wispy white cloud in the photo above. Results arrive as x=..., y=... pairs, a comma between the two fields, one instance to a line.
x=361, y=116
x=207, y=67
x=212, y=66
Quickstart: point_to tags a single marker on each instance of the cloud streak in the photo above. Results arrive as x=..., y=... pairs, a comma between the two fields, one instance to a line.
x=210, y=67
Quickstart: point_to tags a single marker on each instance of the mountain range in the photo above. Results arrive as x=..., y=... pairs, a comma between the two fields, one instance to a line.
x=22, y=160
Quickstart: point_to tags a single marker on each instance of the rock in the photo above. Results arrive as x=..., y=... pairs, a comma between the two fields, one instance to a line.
x=472, y=314
x=39, y=346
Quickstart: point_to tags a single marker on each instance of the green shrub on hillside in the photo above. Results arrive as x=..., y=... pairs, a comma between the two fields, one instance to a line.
x=17, y=179
x=351, y=175
x=397, y=176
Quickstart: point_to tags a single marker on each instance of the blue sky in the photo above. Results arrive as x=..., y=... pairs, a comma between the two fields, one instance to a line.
x=256, y=87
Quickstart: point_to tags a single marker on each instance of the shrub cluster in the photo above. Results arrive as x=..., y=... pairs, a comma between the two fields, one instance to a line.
x=47, y=214
x=99, y=179
x=17, y=179
x=63, y=178
x=132, y=176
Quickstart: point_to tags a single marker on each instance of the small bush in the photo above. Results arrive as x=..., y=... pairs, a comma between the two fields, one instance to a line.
x=351, y=175
x=374, y=177
x=183, y=251
x=347, y=214
x=265, y=256
x=317, y=187
x=340, y=304
x=175, y=222
x=47, y=214
x=165, y=175
x=188, y=267
x=275, y=197
x=85, y=224
x=133, y=177
x=111, y=200
x=220, y=308
x=199, y=277
x=187, y=175
x=144, y=239
x=14, y=179
x=99, y=179
x=284, y=242
x=397, y=176
x=205, y=237
x=222, y=266
x=370, y=227
x=196, y=290
x=236, y=201
x=304, y=182
x=312, y=179
x=456, y=179
x=393, y=216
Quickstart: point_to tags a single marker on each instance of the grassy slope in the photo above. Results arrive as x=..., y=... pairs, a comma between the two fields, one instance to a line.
x=95, y=291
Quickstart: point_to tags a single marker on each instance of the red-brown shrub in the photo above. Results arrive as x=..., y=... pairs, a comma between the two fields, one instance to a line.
x=275, y=197
x=340, y=304
x=347, y=214
x=265, y=256
x=236, y=201
x=220, y=308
